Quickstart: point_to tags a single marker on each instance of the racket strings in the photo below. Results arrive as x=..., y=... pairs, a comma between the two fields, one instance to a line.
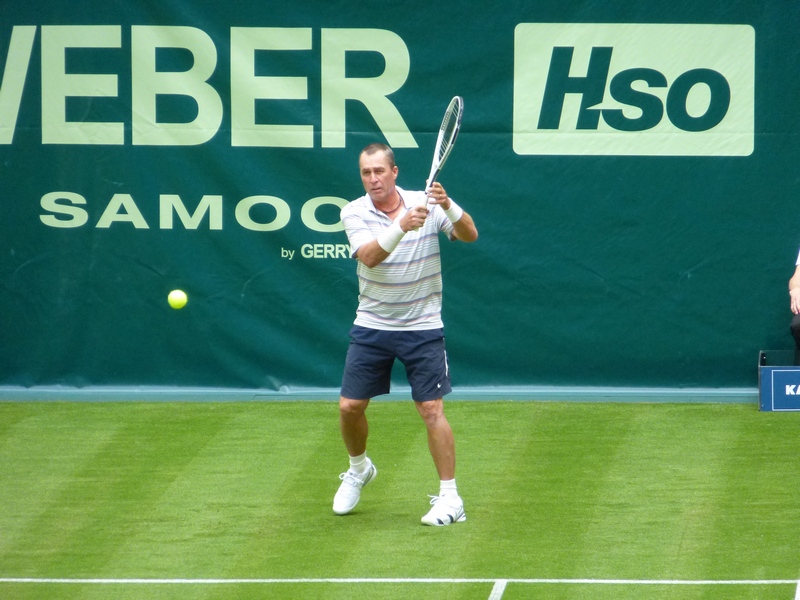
x=448, y=133
x=443, y=147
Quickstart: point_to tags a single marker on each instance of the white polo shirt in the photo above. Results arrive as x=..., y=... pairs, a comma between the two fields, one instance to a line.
x=405, y=290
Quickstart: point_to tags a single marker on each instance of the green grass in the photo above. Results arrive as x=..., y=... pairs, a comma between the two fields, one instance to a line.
x=244, y=490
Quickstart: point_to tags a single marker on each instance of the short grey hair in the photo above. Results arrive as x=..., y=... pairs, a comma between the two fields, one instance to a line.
x=378, y=147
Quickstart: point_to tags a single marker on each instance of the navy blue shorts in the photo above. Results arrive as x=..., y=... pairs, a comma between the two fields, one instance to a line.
x=371, y=355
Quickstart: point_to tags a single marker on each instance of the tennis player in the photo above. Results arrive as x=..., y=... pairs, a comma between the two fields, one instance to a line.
x=394, y=235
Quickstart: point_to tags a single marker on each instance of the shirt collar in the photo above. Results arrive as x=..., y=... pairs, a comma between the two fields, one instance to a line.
x=376, y=210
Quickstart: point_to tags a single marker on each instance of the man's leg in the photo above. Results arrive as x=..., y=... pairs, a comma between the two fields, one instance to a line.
x=354, y=428
x=795, y=329
x=353, y=425
x=447, y=506
x=440, y=437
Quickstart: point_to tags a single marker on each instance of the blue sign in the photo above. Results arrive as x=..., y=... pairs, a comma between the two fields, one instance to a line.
x=779, y=388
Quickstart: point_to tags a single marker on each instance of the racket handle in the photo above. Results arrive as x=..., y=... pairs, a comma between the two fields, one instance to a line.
x=429, y=182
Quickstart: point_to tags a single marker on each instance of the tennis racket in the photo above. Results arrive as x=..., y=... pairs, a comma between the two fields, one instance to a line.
x=448, y=131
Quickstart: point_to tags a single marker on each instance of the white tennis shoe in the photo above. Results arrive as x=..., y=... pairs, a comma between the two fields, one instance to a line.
x=446, y=510
x=349, y=492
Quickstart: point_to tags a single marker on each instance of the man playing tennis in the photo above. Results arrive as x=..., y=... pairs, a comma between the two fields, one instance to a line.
x=394, y=235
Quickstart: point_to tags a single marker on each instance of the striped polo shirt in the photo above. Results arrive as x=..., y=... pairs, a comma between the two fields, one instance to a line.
x=405, y=290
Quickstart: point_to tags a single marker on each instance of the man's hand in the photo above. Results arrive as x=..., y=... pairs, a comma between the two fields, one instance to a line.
x=794, y=291
x=463, y=226
x=414, y=218
x=437, y=195
x=794, y=295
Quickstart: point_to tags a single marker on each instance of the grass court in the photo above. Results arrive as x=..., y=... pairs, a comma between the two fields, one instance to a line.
x=564, y=501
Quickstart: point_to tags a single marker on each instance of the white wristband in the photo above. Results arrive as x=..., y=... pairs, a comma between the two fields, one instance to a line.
x=389, y=239
x=455, y=212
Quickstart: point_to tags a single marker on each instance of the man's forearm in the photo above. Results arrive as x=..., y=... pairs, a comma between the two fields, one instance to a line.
x=464, y=229
x=371, y=254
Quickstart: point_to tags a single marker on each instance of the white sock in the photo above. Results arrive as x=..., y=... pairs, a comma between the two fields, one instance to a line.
x=359, y=464
x=448, y=488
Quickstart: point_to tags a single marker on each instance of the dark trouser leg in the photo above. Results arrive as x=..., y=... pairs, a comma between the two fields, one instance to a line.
x=795, y=329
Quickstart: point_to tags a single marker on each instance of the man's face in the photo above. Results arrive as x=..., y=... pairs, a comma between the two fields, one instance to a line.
x=377, y=176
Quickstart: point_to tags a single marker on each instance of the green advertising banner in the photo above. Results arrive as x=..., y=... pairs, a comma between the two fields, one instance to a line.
x=631, y=168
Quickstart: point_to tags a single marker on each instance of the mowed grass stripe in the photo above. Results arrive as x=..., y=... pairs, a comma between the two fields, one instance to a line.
x=242, y=499
x=43, y=449
x=664, y=485
x=534, y=488
x=117, y=485
x=757, y=523
x=288, y=464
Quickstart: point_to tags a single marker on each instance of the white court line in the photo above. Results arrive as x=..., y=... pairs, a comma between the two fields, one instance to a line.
x=496, y=582
x=498, y=590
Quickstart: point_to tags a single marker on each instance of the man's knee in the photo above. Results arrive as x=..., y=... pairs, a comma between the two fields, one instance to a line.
x=431, y=411
x=349, y=408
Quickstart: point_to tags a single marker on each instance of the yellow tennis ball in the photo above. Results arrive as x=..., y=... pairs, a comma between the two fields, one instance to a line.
x=177, y=299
